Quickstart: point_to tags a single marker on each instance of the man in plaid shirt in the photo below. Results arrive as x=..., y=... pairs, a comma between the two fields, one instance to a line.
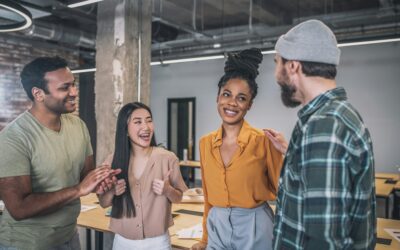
x=326, y=197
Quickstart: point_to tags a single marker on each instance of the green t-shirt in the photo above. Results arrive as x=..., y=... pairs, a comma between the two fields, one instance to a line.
x=54, y=161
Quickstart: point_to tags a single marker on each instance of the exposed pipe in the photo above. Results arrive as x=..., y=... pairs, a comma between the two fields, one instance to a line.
x=342, y=24
x=60, y=9
x=232, y=34
x=61, y=34
x=354, y=17
x=39, y=43
x=191, y=50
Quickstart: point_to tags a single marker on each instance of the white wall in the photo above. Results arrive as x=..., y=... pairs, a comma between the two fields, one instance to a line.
x=370, y=74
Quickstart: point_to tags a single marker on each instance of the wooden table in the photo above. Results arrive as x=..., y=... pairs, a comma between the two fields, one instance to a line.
x=189, y=167
x=386, y=223
x=191, y=164
x=393, y=177
x=384, y=190
x=96, y=220
x=396, y=211
x=387, y=176
x=185, y=221
x=397, y=186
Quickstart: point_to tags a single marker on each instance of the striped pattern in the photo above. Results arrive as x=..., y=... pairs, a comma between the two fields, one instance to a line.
x=326, y=197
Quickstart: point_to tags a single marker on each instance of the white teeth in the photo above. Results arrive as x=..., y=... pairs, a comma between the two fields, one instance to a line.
x=230, y=112
x=145, y=136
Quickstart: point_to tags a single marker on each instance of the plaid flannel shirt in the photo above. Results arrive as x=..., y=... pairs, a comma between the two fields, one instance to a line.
x=326, y=197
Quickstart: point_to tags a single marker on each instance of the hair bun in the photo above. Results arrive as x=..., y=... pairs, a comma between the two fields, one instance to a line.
x=245, y=62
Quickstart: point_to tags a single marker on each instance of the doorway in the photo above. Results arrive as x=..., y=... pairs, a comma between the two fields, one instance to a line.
x=181, y=131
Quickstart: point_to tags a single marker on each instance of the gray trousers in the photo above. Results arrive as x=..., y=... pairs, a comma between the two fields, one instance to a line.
x=72, y=244
x=240, y=228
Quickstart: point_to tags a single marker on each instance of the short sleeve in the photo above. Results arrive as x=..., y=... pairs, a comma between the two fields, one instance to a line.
x=89, y=149
x=14, y=155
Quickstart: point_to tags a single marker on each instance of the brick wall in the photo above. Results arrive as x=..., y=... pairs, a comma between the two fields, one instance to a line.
x=15, y=52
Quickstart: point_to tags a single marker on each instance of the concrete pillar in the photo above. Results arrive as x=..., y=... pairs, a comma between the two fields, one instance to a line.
x=123, y=59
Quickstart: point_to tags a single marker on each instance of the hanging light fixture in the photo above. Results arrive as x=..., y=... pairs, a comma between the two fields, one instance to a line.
x=82, y=3
x=19, y=10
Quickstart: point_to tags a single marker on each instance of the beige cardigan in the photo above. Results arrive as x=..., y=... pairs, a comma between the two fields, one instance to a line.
x=153, y=212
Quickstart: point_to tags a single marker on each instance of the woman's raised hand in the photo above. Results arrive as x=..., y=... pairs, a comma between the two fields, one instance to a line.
x=160, y=187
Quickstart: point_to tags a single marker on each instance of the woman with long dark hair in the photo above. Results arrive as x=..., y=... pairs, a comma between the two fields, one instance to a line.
x=149, y=182
x=240, y=166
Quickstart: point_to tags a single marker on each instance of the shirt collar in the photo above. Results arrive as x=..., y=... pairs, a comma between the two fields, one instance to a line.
x=338, y=93
x=243, y=137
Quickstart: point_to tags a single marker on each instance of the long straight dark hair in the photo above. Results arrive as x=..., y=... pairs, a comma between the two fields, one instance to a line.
x=124, y=204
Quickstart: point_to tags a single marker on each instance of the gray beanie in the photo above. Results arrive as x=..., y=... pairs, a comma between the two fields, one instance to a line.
x=310, y=41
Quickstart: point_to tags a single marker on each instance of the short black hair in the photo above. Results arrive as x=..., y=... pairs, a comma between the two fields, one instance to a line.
x=243, y=65
x=324, y=70
x=33, y=73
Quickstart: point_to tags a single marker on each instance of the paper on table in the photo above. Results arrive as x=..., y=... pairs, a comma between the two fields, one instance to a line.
x=395, y=233
x=192, y=199
x=194, y=192
x=108, y=211
x=193, y=195
x=85, y=208
x=195, y=232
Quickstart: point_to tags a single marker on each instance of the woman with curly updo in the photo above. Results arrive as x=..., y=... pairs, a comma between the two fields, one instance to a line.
x=240, y=166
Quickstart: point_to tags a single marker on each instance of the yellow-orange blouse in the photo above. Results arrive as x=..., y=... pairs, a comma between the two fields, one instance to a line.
x=251, y=177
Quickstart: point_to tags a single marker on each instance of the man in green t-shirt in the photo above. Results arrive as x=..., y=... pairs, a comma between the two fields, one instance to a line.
x=46, y=163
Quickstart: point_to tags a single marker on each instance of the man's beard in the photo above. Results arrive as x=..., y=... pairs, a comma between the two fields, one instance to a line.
x=287, y=93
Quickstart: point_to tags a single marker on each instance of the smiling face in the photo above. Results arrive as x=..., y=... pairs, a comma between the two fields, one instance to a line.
x=62, y=92
x=234, y=100
x=140, y=128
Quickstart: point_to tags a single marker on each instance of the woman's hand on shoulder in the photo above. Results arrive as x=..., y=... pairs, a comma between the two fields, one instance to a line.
x=277, y=139
x=199, y=246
